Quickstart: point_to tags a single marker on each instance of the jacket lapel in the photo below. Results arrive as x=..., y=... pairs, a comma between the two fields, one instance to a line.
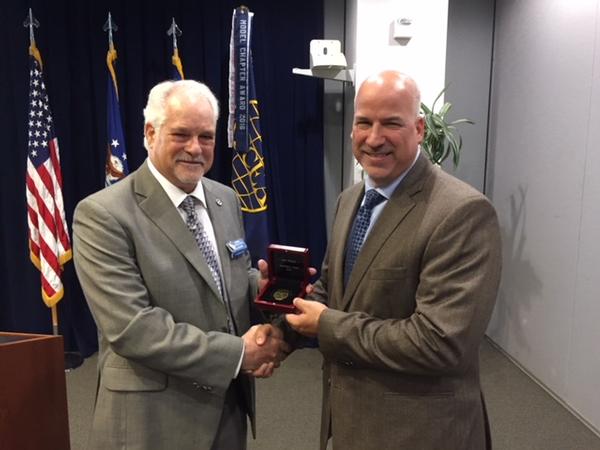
x=153, y=200
x=397, y=208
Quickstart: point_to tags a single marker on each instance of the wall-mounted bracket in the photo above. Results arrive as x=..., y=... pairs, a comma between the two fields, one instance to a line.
x=344, y=75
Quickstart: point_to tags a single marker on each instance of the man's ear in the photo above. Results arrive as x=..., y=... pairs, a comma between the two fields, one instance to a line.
x=420, y=124
x=150, y=134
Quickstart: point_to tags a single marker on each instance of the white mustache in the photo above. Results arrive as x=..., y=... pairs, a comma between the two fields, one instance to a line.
x=191, y=160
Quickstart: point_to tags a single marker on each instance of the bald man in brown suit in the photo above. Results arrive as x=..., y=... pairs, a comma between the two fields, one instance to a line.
x=406, y=290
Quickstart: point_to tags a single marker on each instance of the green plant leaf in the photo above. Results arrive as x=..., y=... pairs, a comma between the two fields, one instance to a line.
x=444, y=110
x=438, y=97
x=442, y=137
x=459, y=121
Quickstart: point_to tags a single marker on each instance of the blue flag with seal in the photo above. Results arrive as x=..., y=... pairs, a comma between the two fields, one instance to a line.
x=116, y=157
x=244, y=137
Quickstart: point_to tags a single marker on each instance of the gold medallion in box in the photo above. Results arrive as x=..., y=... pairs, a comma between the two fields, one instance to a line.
x=288, y=277
x=281, y=294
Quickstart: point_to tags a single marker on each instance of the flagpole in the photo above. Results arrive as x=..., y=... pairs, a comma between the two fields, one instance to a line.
x=109, y=25
x=175, y=31
x=31, y=22
x=111, y=56
x=54, y=320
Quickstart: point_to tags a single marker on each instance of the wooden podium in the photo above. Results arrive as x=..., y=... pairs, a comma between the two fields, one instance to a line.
x=33, y=396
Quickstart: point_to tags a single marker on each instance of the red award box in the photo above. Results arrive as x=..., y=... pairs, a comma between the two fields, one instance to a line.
x=288, y=278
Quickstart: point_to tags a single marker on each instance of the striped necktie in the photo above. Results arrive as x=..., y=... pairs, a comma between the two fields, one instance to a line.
x=202, y=240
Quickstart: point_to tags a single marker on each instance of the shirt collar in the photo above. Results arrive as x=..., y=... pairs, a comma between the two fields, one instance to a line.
x=175, y=194
x=388, y=190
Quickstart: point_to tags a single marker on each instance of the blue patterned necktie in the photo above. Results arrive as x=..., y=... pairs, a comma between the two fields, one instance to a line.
x=359, y=230
x=202, y=240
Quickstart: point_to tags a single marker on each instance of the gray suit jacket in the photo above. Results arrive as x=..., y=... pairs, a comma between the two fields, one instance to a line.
x=166, y=359
x=401, y=342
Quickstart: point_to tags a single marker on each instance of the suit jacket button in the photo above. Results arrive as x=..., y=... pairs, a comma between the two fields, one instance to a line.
x=207, y=388
x=348, y=363
x=196, y=385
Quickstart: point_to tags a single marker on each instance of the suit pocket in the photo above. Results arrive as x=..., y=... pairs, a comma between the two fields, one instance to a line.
x=426, y=420
x=392, y=290
x=389, y=273
x=140, y=379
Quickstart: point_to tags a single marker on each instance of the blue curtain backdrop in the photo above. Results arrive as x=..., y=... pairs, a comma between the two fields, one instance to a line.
x=73, y=48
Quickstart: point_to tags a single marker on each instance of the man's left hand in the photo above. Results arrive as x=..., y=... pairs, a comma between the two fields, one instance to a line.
x=263, y=268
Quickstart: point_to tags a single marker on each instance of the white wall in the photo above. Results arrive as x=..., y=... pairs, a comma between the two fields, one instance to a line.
x=424, y=57
x=544, y=179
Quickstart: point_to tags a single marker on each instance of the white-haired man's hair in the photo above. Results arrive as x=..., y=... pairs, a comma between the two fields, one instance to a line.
x=154, y=112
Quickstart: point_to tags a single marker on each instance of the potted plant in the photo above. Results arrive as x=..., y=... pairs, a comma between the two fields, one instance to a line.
x=441, y=137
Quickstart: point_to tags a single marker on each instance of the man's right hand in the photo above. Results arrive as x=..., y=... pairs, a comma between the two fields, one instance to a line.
x=264, y=349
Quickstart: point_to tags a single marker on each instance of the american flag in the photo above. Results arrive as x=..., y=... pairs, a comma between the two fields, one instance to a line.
x=49, y=243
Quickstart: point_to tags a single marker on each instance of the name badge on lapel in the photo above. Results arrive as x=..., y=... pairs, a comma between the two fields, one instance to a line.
x=236, y=248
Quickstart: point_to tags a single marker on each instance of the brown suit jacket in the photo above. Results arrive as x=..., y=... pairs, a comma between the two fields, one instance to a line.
x=401, y=342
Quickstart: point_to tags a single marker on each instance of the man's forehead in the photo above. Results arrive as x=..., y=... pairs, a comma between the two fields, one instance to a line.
x=378, y=115
x=181, y=98
x=191, y=108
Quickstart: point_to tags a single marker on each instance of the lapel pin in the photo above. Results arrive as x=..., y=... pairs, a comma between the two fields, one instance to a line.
x=219, y=202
